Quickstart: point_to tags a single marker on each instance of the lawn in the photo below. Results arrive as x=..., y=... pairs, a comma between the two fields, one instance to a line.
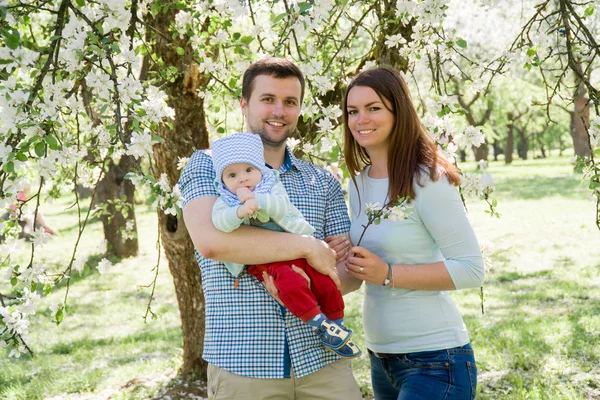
x=539, y=337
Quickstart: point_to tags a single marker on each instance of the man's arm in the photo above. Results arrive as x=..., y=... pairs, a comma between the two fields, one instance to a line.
x=252, y=245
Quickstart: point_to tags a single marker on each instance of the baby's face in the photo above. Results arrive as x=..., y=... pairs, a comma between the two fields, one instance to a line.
x=236, y=176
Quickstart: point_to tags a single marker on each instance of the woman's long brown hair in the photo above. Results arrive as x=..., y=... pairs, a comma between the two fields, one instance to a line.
x=410, y=146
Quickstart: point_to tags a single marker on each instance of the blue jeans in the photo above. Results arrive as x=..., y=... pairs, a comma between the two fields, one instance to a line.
x=449, y=374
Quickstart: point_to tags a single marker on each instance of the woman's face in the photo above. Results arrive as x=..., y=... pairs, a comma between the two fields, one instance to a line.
x=369, y=118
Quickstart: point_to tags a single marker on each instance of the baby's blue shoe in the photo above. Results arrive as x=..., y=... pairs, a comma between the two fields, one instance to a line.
x=333, y=336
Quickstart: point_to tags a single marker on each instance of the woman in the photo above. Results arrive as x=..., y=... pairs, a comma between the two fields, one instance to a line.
x=418, y=343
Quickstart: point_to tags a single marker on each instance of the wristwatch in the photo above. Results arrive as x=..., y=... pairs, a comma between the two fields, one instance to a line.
x=389, y=275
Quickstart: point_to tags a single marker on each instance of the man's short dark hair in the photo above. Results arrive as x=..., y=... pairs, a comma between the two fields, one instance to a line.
x=279, y=68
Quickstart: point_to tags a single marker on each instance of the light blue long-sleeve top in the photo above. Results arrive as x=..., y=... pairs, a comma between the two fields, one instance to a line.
x=276, y=205
x=436, y=230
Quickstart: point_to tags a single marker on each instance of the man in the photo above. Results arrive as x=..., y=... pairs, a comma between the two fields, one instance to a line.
x=256, y=349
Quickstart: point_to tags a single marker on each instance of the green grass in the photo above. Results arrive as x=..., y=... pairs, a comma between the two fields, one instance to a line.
x=538, y=339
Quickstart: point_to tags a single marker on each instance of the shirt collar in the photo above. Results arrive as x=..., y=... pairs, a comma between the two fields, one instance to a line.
x=289, y=161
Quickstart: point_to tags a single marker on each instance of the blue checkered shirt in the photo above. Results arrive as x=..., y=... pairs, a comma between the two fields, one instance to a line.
x=247, y=332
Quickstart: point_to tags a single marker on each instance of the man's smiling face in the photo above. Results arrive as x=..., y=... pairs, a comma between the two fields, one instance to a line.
x=273, y=108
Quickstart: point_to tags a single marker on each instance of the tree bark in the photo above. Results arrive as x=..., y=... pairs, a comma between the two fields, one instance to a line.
x=522, y=148
x=189, y=133
x=482, y=152
x=509, y=146
x=579, y=119
x=114, y=186
x=497, y=149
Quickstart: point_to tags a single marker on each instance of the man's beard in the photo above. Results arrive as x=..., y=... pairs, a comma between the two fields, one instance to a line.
x=274, y=144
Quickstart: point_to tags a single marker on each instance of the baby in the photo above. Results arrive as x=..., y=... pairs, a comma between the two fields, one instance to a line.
x=252, y=194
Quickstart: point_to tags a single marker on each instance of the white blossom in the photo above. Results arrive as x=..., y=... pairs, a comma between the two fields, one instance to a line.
x=40, y=237
x=103, y=266
x=292, y=143
x=396, y=214
x=35, y=273
x=5, y=151
x=141, y=145
x=395, y=41
x=182, y=20
x=307, y=147
x=327, y=144
x=79, y=263
x=324, y=125
x=373, y=207
x=17, y=351
x=449, y=151
x=29, y=302
x=182, y=162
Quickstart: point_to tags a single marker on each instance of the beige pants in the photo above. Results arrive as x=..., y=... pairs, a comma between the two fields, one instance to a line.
x=334, y=381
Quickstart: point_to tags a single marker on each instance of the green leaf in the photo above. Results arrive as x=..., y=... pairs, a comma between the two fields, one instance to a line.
x=52, y=142
x=141, y=50
x=8, y=167
x=588, y=11
x=21, y=157
x=158, y=139
x=40, y=149
x=277, y=18
x=594, y=185
x=494, y=202
x=59, y=316
x=220, y=130
x=5, y=61
x=81, y=3
x=180, y=51
x=304, y=6
x=462, y=43
x=597, y=152
x=531, y=52
x=12, y=38
x=33, y=286
x=237, y=36
x=246, y=40
x=129, y=175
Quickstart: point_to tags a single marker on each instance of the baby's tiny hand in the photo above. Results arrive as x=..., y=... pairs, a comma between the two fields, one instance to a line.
x=252, y=205
x=244, y=194
x=244, y=211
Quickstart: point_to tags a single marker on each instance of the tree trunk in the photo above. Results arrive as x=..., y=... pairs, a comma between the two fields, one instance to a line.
x=497, y=149
x=481, y=152
x=114, y=186
x=509, y=146
x=522, y=147
x=188, y=134
x=579, y=118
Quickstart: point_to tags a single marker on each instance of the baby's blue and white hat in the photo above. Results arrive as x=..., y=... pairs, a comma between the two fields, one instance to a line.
x=239, y=148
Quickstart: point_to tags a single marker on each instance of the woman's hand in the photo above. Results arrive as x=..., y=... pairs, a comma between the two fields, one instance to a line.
x=340, y=244
x=269, y=283
x=363, y=264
